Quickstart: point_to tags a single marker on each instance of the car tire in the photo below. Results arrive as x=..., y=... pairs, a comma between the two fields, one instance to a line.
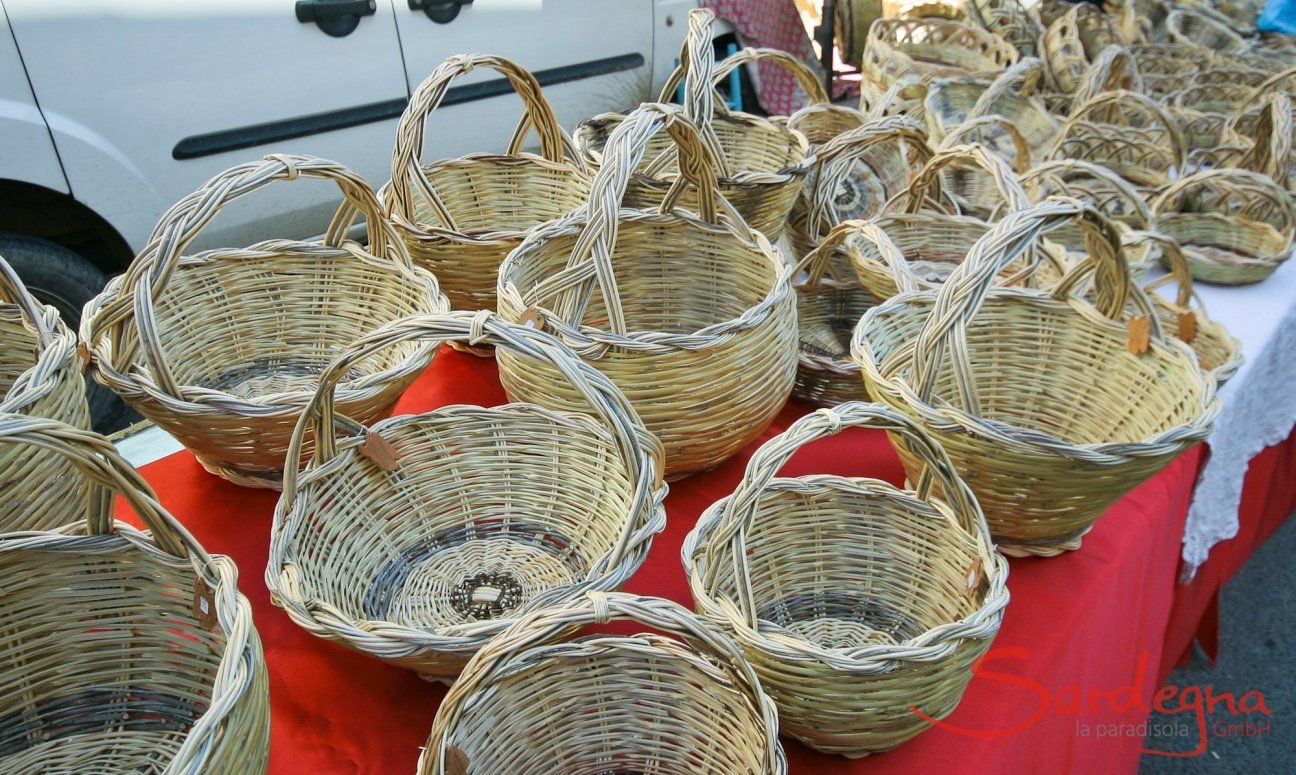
x=64, y=280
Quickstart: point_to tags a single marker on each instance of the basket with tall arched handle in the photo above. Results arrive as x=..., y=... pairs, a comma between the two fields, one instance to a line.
x=1128, y=133
x=461, y=217
x=855, y=600
x=1073, y=42
x=40, y=376
x=605, y=698
x=1051, y=407
x=931, y=48
x=223, y=348
x=418, y=538
x=1010, y=20
x=123, y=651
x=761, y=164
x=693, y=317
x=977, y=194
x=952, y=101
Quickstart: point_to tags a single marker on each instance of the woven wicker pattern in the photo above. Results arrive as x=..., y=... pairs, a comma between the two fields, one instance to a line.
x=223, y=348
x=820, y=120
x=1191, y=29
x=854, y=18
x=951, y=102
x=1010, y=20
x=1129, y=134
x=853, y=599
x=1113, y=69
x=109, y=663
x=762, y=164
x=1074, y=41
x=461, y=217
x=932, y=48
x=40, y=376
x=692, y=317
x=1035, y=395
x=976, y=193
x=643, y=703
x=1234, y=226
x=480, y=516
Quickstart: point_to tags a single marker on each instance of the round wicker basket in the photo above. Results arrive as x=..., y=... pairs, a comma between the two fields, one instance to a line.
x=611, y=703
x=1010, y=20
x=951, y=102
x=692, y=317
x=854, y=18
x=1192, y=29
x=1037, y=396
x=419, y=538
x=40, y=376
x=461, y=217
x=1074, y=41
x=1129, y=134
x=932, y=48
x=229, y=383
x=856, y=601
x=124, y=651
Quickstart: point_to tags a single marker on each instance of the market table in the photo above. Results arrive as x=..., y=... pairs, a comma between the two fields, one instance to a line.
x=1094, y=619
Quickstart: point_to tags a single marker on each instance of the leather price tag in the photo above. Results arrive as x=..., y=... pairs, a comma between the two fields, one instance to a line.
x=204, y=604
x=1140, y=331
x=456, y=761
x=377, y=449
x=1187, y=326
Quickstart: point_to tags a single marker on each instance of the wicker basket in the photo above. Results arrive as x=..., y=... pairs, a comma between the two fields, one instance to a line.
x=419, y=538
x=40, y=377
x=1129, y=134
x=974, y=178
x=854, y=19
x=1192, y=29
x=830, y=303
x=124, y=651
x=1234, y=226
x=763, y=164
x=857, y=174
x=1168, y=68
x=461, y=217
x=857, y=602
x=977, y=194
x=1010, y=20
x=230, y=381
x=643, y=703
x=1035, y=395
x=1113, y=69
x=692, y=317
x=933, y=48
x=953, y=101
x=1074, y=41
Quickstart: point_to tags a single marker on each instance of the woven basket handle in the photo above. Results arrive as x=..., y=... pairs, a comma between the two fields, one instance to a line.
x=1185, y=296
x=806, y=78
x=1274, y=83
x=1021, y=149
x=1113, y=69
x=838, y=156
x=97, y=459
x=590, y=262
x=156, y=264
x=549, y=626
x=1055, y=170
x=743, y=508
x=944, y=334
x=407, y=169
x=1148, y=106
x=697, y=67
x=43, y=319
x=819, y=261
x=1022, y=78
x=1260, y=189
x=1271, y=149
x=925, y=189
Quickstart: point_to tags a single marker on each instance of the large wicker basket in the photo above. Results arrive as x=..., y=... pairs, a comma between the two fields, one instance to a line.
x=1037, y=396
x=862, y=606
x=1234, y=226
x=420, y=537
x=933, y=48
x=124, y=651
x=461, y=217
x=531, y=702
x=1074, y=41
x=692, y=317
x=1129, y=134
x=762, y=163
x=40, y=376
x=223, y=348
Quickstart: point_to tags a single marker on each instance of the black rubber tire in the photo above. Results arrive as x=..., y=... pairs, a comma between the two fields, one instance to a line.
x=65, y=280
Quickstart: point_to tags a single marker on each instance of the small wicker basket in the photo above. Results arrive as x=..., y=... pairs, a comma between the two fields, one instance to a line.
x=1074, y=41
x=819, y=120
x=856, y=601
x=461, y=217
x=40, y=376
x=692, y=317
x=124, y=651
x=609, y=703
x=951, y=102
x=1010, y=20
x=419, y=538
x=1192, y=29
x=229, y=381
x=1037, y=396
x=1167, y=68
x=854, y=19
x=1234, y=226
x=1129, y=134
x=932, y=48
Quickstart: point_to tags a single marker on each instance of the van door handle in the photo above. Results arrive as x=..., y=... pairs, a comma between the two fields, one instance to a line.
x=337, y=18
x=439, y=11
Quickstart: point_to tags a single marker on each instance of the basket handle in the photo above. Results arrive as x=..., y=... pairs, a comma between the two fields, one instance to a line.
x=1113, y=69
x=97, y=459
x=1055, y=168
x=806, y=78
x=1266, y=87
x=925, y=189
x=944, y=334
x=1271, y=151
x=591, y=258
x=1259, y=187
x=697, y=68
x=549, y=626
x=819, y=261
x=1185, y=296
x=1178, y=146
x=156, y=264
x=1021, y=78
x=1022, y=150
x=742, y=510
x=537, y=115
x=838, y=156
x=43, y=319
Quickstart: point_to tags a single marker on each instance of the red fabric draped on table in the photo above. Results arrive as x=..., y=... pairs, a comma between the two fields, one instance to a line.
x=1090, y=621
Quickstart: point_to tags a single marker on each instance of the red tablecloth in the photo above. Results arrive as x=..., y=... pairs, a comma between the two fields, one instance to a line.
x=1095, y=619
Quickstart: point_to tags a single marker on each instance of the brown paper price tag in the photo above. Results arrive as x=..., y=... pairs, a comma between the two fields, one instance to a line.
x=1187, y=326
x=1140, y=331
x=83, y=355
x=377, y=449
x=456, y=761
x=531, y=318
x=204, y=604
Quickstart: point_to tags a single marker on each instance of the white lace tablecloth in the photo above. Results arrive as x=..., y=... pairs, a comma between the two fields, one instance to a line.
x=1259, y=403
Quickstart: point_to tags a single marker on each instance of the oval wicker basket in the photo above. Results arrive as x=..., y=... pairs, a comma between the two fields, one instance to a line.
x=692, y=317
x=951, y=102
x=856, y=601
x=976, y=193
x=963, y=179
x=1035, y=395
x=1112, y=70
x=1129, y=134
x=1233, y=225
x=125, y=651
x=461, y=217
x=933, y=48
x=40, y=376
x=1074, y=41
x=1010, y=20
x=762, y=164
x=1192, y=29
x=230, y=382
x=417, y=539
x=611, y=703
x=1166, y=68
